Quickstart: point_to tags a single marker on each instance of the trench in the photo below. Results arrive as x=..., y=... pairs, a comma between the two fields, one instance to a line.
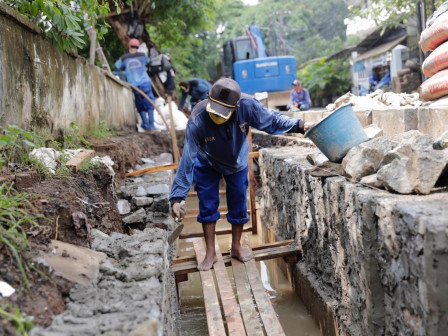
x=275, y=276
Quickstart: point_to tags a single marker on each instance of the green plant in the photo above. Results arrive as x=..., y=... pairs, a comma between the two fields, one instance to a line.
x=326, y=79
x=14, y=216
x=15, y=144
x=72, y=137
x=102, y=131
x=22, y=323
x=89, y=164
x=62, y=170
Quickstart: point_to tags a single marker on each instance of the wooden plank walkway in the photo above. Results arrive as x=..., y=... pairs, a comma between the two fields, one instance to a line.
x=254, y=313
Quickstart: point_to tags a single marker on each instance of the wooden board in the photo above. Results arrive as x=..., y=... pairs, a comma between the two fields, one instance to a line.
x=153, y=169
x=215, y=323
x=268, y=253
x=226, y=253
x=235, y=324
x=251, y=320
x=77, y=160
x=268, y=315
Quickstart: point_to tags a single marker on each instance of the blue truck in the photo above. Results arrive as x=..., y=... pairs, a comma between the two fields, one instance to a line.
x=245, y=60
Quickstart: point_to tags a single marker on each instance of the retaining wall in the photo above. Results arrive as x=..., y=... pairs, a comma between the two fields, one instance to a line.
x=373, y=263
x=43, y=87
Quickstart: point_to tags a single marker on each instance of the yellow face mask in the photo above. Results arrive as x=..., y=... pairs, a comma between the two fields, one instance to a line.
x=217, y=119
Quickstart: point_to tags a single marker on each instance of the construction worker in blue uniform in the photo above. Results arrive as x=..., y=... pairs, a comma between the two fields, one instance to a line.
x=299, y=97
x=216, y=146
x=374, y=78
x=197, y=88
x=134, y=63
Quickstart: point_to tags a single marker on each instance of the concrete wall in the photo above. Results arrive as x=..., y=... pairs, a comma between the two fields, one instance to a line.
x=373, y=263
x=42, y=87
x=431, y=120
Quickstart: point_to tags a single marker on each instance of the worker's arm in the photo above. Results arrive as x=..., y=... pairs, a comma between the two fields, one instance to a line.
x=119, y=65
x=273, y=122
x=184, y=176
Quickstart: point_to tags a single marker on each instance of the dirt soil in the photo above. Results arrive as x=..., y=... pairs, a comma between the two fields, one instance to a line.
x=63, y=201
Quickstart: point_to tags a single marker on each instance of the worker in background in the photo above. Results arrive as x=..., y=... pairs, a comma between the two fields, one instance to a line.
x=197, y=88
x=374, y=78
x=216, y=147
x=134, y=63
x=299, y=97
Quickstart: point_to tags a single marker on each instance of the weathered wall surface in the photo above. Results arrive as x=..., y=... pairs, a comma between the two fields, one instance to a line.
x=373, y=263
x=40, y=86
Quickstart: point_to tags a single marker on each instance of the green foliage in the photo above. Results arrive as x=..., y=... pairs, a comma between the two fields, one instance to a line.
x=15, y=144
x=89, y=165
x=22, y=323
x=14, y=216
x=326, y=79
x=102, y=131
x=72, y=137
x=62, y=170
x=62, y=20
x=390, y=13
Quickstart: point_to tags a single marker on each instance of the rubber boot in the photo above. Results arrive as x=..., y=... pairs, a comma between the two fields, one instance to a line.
x=151, y=120
x=145, y=123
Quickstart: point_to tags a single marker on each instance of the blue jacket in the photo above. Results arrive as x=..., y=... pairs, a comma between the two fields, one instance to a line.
x=225, y=147
x=135, y=67
x=199, y=89
x=302, y=97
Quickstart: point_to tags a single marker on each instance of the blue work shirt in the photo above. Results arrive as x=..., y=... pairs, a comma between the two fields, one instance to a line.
x=302, y=97
x=225, y=147
x=135, y=67
x=374, y=78
x=199, y=89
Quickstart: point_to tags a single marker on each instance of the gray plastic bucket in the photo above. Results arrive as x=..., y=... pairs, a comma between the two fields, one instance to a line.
x=337, y=133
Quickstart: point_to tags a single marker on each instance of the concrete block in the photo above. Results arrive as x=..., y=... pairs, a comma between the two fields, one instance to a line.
x=395, y=120
x=364, y=117
x=433, y=121
x=313, y=116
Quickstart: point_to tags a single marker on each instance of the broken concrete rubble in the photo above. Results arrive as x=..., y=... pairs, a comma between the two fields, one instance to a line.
x=441, y=142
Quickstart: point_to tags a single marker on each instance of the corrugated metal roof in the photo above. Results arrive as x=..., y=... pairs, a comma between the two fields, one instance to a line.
x=381, y=49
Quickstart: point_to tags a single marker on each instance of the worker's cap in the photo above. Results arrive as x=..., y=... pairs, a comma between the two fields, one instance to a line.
x=134, y=43
x=223, y=97
x=296, y=82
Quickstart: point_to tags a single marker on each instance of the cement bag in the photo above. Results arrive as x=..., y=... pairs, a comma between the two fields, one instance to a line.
x=435, y=87
x=435, y=35
x=180, y=119
x=436, y=61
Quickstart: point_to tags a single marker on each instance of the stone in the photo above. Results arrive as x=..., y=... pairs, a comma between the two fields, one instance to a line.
x=141, y=191
x=373, y=131
x=137, y=217
x=316, y=158
x=327, y=169
x=365, y=159
x=157, y=189
x=123, y=207
x=372, y=181
x=441, y=142
x=142, y=201
x=161, y=204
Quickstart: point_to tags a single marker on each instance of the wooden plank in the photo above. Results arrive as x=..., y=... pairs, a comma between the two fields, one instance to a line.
x=215, y=323
x=253, y=155
x=153, y=169
x=235, y=324
x=77, y=160
x=251, y=320
x=268, y=315
x=201, y=234
x=226, y=253
x=253, y=209
x=270, y=253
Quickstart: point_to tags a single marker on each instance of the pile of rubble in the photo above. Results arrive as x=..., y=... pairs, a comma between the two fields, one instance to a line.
x=377, y=99
x=406, y=163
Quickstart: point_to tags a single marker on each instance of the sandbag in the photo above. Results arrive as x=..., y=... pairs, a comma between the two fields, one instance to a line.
x=435, y=35
x=435, y=87
x=436, y=61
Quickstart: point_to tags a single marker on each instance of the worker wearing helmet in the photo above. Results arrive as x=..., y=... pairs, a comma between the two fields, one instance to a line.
x=197, y=88
x=216, y=147
x=134, y=63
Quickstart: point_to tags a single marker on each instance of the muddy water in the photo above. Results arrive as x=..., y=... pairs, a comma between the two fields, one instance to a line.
x=293, y=316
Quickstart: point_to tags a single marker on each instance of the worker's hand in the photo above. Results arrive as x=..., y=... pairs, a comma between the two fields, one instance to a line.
x=307, y=126
x=296, y=105
x=178, y=210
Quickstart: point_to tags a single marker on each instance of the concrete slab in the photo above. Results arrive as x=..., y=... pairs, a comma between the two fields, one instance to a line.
x=75, y=263
x=395, y=120
x=433, y=121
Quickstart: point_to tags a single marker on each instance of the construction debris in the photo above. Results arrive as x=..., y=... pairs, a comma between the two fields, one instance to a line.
x=441, y=142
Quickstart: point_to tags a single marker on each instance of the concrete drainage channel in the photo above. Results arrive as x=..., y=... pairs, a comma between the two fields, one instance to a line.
x=372, y=263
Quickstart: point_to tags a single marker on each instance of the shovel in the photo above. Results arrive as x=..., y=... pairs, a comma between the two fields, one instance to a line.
x=176, y=231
